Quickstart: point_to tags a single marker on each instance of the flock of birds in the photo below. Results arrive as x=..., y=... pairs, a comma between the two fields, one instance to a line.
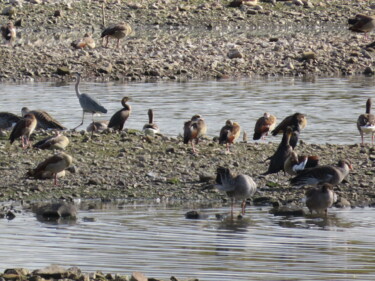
x=304, y=169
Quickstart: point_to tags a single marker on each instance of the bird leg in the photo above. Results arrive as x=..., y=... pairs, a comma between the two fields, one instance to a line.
x=118, y=42
x=372, y=138
x=231, y=207
x=362, y=144
x=194, y=150
x=243, y=206
x=228, y=150
x=55, y=179
x=83, y=117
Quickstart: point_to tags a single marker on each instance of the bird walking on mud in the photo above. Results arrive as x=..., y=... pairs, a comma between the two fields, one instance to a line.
x=319, y=199
x=118, y=119
x=193, y=130
x=116, y=31
x=88, y=103
x=366, y=123
x=239, y=187
x=264, y=124
x=23, y=129
x=229, y=133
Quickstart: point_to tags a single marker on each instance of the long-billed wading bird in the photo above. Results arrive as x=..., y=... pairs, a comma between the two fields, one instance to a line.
x=116, y=31
x=151, y=128
x=118, y=119
x=54, y=164
x=194, y=129
x=88, y=103
x=45, y=120
x=323, y=174
x=366, y=123
x=229, y=133
x=319, y=199
x=23, y=129
x=264, y=124
x=239, y=187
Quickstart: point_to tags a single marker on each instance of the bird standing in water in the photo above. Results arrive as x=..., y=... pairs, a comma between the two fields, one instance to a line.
x=88, y=103
x=24, y=128
x=321, y=198
x=193, y=130
x=229, y=133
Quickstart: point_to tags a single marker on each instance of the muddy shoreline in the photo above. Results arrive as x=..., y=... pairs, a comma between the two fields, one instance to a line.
x=186, y=40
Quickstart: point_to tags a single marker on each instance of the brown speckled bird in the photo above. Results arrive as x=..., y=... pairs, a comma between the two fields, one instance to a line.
x=23, y=129
x=116, y=31
x=366, y=123
x=229, y=133
x=45, y=120
x=264, y=124
x=193, y=130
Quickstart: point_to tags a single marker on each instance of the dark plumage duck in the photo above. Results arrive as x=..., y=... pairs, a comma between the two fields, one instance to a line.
x=297, y=122
x=264, y=124
x=8, y=32
x=54, y=165
x=118, y=119
x=23, y=129
x=116, y=31
x=321, y=198
x=45, y=120
x=8, y=120
x=193, y=130
x=366, y=123
x=323, y=174
x=150, y=128
x=58, y=141
x=294, y=163
x=239, y=187
x=282, y=153
x=229, y=133
x=362, y=23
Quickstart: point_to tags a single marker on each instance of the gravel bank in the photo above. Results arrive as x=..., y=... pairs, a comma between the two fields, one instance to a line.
x=186, y=40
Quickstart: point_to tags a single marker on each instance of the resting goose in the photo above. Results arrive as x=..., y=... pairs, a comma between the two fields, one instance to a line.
x=116, y=31
x=58, y=141
x=264, y=124
x=294, y=163
x=362, y=24
x=8, y=120
x=150, y=128
x=45, y=120
x=282, y=153
x=23, y=129
x=229, y=133
x=54, y=165
x=237, y=187
x=321, y=198
x=193, y=130
x=323, y=174
x=118, y=119
x=366, y=123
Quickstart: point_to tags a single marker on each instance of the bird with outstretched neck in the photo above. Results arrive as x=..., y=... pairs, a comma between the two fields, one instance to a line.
x=366, y=123
x=118, y=119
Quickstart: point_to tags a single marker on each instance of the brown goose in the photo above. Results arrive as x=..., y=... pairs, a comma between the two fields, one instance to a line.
x=282, y=153
x=116, y=31
x=45, y=120
x=86, y=41
x=264, y=124
x=150, y=128
x=118, y=119
x=239, y=187
x=54, y=165
x=193, y=130
x=58, y=141
x=8, y=32
x=23, y=129
x=294, y=163
x=366, y=123
x=8, y=120
x=229, y=133
x=321, y=198
x=323, y=174
x=97, y=126
x=297, y=122
x=362, y=23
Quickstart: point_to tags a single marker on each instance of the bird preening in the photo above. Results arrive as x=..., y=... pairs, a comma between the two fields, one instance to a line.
x=194, y=129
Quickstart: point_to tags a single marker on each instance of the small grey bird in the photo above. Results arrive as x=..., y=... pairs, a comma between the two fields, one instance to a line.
x=321, y=198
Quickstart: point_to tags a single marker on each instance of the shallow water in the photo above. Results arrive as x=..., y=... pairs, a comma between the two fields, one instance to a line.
x=332, y=105
x=156, y=239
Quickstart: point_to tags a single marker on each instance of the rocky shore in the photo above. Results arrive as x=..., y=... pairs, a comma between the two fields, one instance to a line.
x=182, y=40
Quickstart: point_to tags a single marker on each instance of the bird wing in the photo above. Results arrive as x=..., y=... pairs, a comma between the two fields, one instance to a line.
x=90, y=104
x=46, y=121
x=282, y=126
x=315, y=175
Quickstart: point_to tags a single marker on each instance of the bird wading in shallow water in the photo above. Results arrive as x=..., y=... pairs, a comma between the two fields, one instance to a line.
x=193, y=130
x=88, y=103
x=118, y=119
x=323, y=174
x=229, y=133
x=239, y=187
x=23, y=129
x=321, y=198
x=264, y=124
x=54, y=165
x=366, y=123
